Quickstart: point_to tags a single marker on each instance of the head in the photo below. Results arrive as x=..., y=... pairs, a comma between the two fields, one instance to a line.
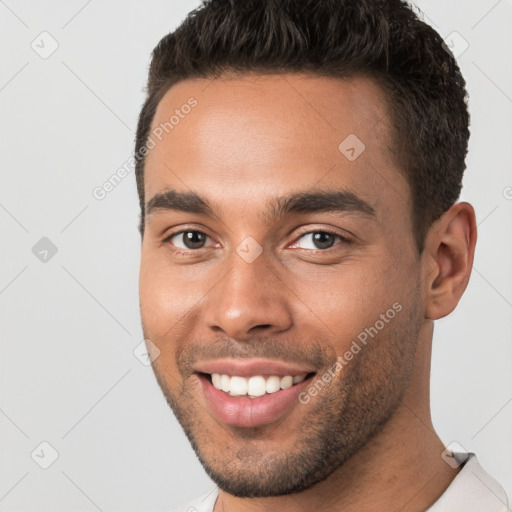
x=298, y=167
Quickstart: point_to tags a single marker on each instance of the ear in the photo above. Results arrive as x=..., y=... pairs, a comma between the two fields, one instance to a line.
x=448, y=259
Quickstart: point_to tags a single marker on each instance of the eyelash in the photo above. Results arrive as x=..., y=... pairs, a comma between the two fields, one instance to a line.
x=182, y=252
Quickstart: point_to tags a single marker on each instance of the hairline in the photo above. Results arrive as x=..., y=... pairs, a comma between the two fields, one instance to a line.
x=384, y=86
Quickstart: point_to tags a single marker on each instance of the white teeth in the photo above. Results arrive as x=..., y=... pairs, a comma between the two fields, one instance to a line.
x=257, y=386
x=238, y=386
x=273, y=384
x=216, y=380
x=254, y=386
x=225, y=383
x=287, y=382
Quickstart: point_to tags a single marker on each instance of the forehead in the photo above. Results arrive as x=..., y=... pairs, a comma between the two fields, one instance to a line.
x=273, y=132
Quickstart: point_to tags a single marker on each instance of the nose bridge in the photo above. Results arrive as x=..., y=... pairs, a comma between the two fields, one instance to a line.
x=249, y=295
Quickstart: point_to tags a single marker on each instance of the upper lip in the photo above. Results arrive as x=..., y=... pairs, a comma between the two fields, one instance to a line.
x=250, y=367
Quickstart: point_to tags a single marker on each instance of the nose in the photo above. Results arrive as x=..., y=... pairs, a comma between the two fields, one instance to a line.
x=250, y=299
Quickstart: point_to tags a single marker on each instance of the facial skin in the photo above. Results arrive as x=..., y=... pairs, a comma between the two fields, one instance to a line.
x=249, y=141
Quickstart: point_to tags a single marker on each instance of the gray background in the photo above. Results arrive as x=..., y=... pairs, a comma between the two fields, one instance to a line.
x=70, y=322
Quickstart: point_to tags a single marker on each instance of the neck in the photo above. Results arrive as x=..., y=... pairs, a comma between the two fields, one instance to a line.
x=400, y=468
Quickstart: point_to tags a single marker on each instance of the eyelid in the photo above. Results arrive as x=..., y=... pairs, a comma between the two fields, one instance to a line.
x=332, y=231
x=180, y=228
x=172, y=234
x=305, y=230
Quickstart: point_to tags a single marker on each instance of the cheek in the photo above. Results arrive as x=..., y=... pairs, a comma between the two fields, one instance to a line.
x=353, y=297
x=170, y=305
x=150, y=292
x=163, y=296
x=158, y=305
x=159, y=314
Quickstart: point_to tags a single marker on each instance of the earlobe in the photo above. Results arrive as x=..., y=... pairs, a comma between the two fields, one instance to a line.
x=448, y=259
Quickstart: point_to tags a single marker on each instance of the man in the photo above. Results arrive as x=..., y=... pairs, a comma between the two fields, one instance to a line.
x=299, y=164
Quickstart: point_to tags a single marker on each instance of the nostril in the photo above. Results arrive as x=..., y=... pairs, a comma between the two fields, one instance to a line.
x=262, y=326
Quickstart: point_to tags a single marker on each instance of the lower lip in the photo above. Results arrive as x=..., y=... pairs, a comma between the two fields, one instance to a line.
x=243, y=411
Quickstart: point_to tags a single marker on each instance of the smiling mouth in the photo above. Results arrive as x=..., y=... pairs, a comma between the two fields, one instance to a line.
x=255, y=386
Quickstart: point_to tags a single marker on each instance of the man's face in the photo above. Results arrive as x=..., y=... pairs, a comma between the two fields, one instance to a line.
x=304, y=256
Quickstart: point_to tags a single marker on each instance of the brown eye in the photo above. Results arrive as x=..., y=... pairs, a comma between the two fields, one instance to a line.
x=318, y=240
x=188, y=239
x=323, y=240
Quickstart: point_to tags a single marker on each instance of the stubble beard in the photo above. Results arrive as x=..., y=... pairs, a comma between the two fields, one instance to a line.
x=348, y=411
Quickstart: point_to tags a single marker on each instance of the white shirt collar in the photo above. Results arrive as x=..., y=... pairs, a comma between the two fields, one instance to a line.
x=472, y=490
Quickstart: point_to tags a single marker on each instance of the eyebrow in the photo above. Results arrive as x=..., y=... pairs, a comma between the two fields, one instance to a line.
x=318, y=202
x=277, y=207
x=180, y=201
